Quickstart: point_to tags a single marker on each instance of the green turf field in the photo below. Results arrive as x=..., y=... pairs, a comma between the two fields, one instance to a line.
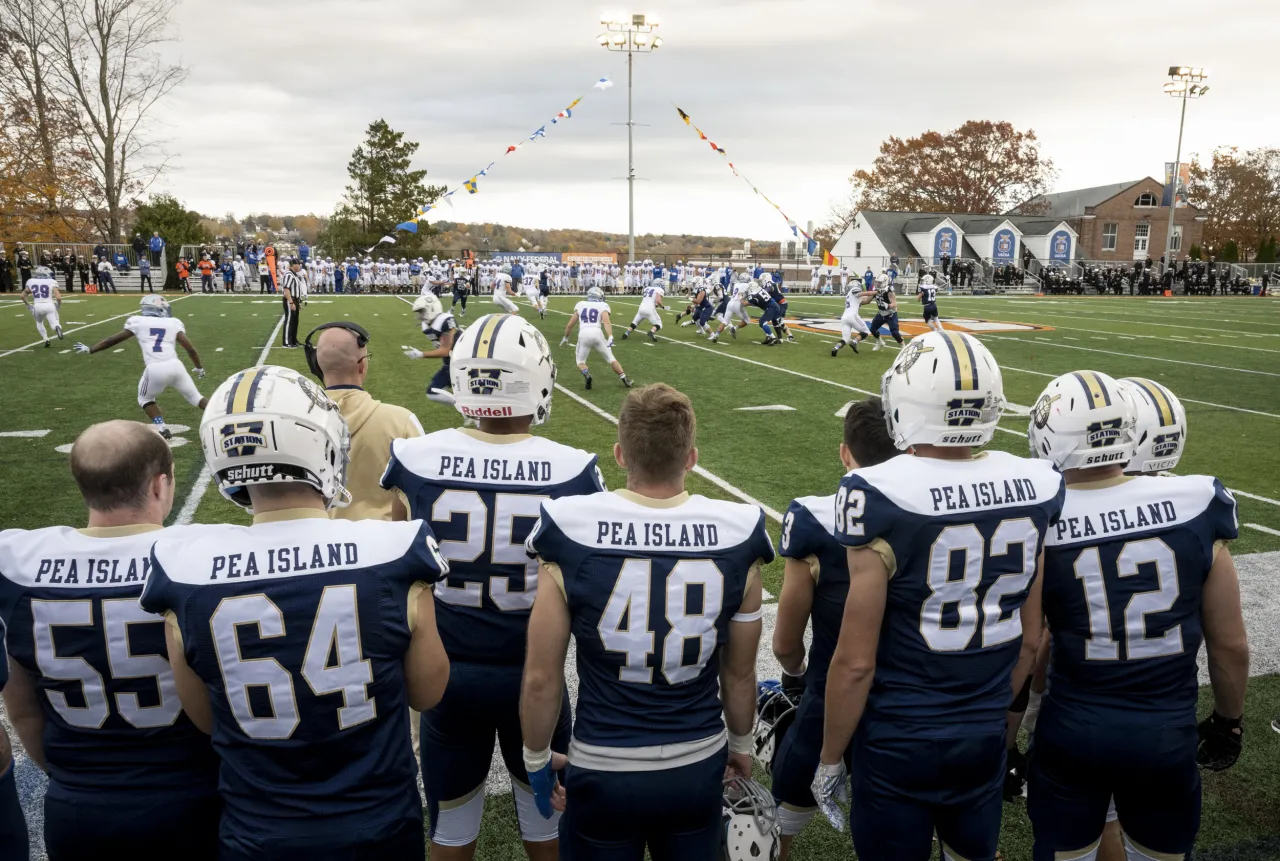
x=1220, y=356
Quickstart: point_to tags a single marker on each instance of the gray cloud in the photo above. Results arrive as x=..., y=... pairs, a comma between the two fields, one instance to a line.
x=799, y=93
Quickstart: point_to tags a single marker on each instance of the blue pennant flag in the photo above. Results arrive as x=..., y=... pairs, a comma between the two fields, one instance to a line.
x=540, y=133
x=813, y=247
x=411, y=226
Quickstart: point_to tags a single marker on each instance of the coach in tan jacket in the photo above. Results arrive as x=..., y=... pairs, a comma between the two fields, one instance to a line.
x=373, y=425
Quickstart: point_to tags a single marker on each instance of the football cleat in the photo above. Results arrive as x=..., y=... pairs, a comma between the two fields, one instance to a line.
x=588, y=378
x=835, y=351
x=877, y=347
x=653, y=337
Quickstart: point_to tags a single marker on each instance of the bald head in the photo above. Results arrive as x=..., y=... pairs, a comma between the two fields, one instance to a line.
x=116, y=465
x=339, y=355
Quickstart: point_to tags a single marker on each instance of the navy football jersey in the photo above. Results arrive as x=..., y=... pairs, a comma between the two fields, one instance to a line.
x=961, y=541
x=808, y=533
x=437, y=328
x=113, y=721
x=928, y=294
x=651, y=591
x=884, y=301
x=299, y=625
x=1124, y=571
x=482, y=495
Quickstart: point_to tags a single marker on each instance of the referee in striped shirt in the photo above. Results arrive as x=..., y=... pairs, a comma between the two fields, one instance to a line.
x=294, y=288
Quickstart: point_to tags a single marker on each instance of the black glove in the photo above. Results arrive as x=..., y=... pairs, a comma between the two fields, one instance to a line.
x=1220, y=742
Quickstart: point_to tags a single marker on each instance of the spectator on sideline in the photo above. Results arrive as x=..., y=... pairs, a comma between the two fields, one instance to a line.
x=206, y=274
x=144, y=274
x=228, y=271
x=184, y=274
x=304, y=252
x=23, y=259
x=106, y=283
x=6, y=273
x=139, y=246
x=344, y=361
x=157, y=246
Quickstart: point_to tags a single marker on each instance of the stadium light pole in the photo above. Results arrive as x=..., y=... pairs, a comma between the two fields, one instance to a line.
x=1185, y=82
x=632, y=34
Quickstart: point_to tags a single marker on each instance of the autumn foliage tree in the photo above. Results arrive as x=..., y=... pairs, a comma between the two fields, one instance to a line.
x=1240, y=194
x=982, y=166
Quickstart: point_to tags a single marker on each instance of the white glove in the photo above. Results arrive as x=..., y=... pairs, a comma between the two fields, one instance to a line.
x=830, y=784
x=411, y=352
x=564, y=341
x=81, y=348
x=199, y=372
x=609, y=343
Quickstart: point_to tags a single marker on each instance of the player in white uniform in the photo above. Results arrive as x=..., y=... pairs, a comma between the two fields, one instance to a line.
x=650, y=302
x=596, y=333
x=42, y=287
x=502, y=290
x=815, y=276
x=735, y=313
x=852, y=320
x=157, y=335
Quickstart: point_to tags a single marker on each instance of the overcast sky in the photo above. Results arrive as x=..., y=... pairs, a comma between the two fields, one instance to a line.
x=799, y=92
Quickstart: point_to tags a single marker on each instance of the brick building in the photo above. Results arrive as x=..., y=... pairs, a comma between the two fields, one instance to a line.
x=1122, y=222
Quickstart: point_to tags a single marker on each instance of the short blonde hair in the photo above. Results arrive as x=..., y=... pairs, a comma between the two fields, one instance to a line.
x=657, y=430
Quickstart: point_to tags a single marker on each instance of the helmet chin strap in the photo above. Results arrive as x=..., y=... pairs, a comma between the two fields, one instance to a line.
x=341, y=499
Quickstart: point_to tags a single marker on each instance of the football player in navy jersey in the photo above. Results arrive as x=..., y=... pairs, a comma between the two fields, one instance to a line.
x=13, y=827
x=661, y=592
x=300, y=642
x=815, y=584
x=91, y=694
x=442, y=329
x=481, y=491
x=886, y=313
x=943, y=612
x=1136, y=575
x=927, y=291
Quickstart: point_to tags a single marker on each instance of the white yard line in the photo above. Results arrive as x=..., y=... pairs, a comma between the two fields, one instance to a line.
x=1261, y=528
x=80, y=328
x=189, y=505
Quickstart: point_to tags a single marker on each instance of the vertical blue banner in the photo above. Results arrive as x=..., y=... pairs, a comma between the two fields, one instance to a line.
x=1004, y=246
x=1060, y=246
x=946, y=242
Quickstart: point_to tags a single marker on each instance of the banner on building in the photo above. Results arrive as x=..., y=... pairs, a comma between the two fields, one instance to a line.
x=1004, y=246
x=589, y=257
x=1060, y=247
x=945, y=241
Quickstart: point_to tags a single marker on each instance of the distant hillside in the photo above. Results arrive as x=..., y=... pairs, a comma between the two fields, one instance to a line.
x=456, y=236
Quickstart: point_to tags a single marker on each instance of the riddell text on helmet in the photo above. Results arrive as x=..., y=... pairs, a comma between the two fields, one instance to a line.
x=486, y=412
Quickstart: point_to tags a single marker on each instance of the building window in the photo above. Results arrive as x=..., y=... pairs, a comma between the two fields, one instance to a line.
x=1109, y=232
x=1147, y=199
x=1141, y=237
x=1176, y=242
x=857, y=249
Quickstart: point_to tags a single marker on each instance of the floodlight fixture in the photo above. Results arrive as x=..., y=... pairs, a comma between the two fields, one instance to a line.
x=1185, y=82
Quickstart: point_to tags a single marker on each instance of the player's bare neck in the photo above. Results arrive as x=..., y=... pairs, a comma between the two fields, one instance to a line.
x=1088, y=476
x=943, y=452
x=506, y=426
x=123, y=517
x=655, y=489
x=279, y=497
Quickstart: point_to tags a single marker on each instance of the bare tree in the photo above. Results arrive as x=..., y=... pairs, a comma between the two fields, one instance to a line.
x=108, y=64
x=25, y=46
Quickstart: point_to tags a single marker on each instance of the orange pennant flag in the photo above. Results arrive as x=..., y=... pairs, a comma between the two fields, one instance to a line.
x=828, y=259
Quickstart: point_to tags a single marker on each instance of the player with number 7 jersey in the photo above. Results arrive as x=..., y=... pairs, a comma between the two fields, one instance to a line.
x=943, y=610
x=300, y=642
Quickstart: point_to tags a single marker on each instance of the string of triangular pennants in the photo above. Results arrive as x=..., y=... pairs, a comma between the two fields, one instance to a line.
x=813, y=247
x=472, y=185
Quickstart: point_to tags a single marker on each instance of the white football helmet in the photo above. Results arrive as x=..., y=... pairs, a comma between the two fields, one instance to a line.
x=1082, y=420
x=271, y=424
x=595, y=294
x=154, y=306
x=751, y=828
x=502, y=367
x=775, y=712
x=944, y=389
x=1161, y=426
x=928, y=279
x=427, y=307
